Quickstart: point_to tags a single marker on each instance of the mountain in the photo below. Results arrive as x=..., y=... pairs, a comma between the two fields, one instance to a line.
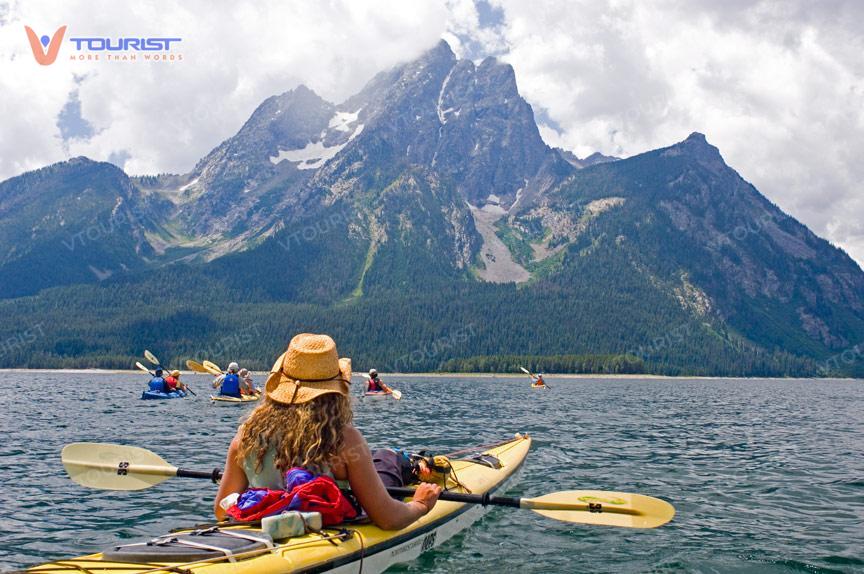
x=425, y=223
x=56, y=222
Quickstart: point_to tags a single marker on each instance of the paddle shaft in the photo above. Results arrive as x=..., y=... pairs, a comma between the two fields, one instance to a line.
x=514, y=502
x=483, y=499
x=213, y=475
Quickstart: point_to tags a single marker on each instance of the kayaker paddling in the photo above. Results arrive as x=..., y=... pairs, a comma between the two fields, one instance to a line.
x=375, y=385
x=229, y=383
x=246, y=385
x=157, y=383
x=537, y=381
x=305, y=421
x=173, y=382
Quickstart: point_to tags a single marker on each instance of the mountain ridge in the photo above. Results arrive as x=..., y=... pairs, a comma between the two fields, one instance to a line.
x=431, y=190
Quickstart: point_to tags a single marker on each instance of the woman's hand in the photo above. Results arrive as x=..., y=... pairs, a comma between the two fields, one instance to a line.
x=427, y=494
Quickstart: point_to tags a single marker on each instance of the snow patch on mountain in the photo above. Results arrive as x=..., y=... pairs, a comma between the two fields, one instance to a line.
x=442, y=113
x=190, y=184
x=316, y=154
x=341, y=120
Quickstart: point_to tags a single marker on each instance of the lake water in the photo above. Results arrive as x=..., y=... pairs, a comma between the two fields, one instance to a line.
x=766, y=475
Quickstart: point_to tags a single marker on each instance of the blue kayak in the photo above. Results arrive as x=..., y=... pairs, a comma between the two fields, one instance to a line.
x=159, y=395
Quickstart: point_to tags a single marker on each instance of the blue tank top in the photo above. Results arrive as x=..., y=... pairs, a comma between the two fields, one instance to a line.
x=231, y=385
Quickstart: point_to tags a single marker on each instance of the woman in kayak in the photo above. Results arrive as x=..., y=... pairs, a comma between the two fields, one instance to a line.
x=375, y=384
x=246, y=386
x=174, y=383
x=305, y=421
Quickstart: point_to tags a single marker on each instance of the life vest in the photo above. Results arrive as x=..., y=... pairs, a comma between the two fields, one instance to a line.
x=309, y=493
x=374, y=386
x=158, y=384
x=231, y=385
x=171, y=382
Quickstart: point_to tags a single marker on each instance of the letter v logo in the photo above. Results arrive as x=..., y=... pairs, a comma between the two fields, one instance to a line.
x=36, y=44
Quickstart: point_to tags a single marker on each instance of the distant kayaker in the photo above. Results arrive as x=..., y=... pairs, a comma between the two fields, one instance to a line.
x=229, y=383
x=157, y=383
x=305, y=422
x=538, y=381
x=375, y=384
x=173, y=382
x=246, y=386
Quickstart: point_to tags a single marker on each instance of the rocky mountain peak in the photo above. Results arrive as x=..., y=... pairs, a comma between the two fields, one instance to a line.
x=697, y=147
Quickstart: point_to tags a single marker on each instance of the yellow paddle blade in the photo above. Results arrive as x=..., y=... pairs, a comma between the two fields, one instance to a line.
x=196, y=366
x=151, y=357
x=143, y=368
x=397, y=394
x=114, y=466
x=213, y=368
x=603, y=507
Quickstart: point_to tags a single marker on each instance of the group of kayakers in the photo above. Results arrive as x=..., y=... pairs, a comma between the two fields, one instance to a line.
x=236, y=382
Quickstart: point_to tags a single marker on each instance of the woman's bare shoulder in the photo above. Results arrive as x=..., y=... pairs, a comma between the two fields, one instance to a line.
x=353, y=444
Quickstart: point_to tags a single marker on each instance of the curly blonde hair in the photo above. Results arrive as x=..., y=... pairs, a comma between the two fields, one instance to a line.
x=306, y=434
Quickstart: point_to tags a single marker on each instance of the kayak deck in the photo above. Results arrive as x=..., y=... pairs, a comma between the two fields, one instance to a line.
x=345, y=548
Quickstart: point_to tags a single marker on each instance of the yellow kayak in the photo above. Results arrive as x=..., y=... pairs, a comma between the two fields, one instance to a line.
x=536, y=386
x=223, y=400
x=347, y=548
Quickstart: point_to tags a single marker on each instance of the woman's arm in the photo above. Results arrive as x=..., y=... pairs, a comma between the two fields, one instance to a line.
x=386, y=512
x=233, y=478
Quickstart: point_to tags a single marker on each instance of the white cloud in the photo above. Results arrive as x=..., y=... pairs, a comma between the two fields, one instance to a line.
x=777, y=86
x=167, y=116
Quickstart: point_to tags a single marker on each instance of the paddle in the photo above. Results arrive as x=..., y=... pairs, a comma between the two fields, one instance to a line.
x=395, y=393
x=152, y=358
x=532, y=375
x=213, y=368
x=145, y=369
x=119, y=467
x=197, y=367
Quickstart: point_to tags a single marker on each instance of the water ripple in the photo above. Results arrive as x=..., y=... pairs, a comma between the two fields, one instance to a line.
x=766, y=476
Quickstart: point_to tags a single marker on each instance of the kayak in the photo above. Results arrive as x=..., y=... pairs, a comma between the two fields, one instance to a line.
x=159, y=395
x=225, y=400
x=536, y=386
x=377, y=394
x=346, y=548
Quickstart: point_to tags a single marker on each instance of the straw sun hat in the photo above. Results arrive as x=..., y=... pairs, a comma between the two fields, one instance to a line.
x=309, y=368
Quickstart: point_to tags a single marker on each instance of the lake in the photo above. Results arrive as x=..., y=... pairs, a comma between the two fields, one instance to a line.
x=766, y=475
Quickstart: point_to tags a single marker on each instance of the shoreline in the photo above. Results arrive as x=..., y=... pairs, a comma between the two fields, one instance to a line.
x=438, y=375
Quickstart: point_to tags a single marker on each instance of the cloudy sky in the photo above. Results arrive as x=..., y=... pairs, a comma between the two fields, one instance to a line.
x=778, y=86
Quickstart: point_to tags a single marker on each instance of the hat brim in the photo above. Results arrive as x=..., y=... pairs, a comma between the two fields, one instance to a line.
x=283, y=389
